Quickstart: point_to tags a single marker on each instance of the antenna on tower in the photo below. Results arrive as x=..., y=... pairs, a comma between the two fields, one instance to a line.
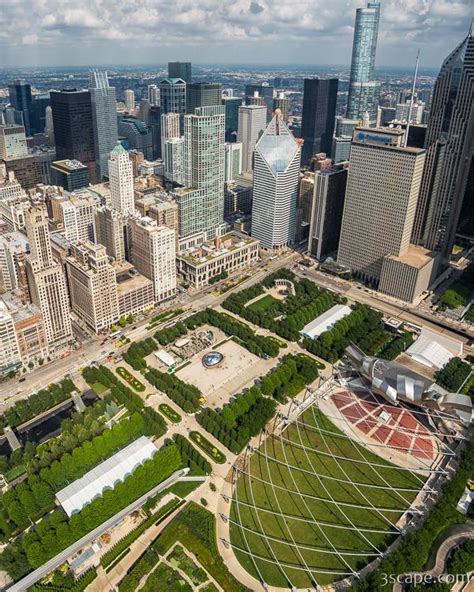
x=412, y=98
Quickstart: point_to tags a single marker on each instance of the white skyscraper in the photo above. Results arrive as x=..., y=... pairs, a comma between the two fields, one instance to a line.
x=275, y=185
x=415, y=111
x=104, y=118
x=48, y=124
x=173, y=157
x=9, y=352
x=154, y=95
x=129, y=99
x=78, y=218
x=12, y=141
x=170, y=128
x=121, y=180
x=252, y=122
x=233, y=160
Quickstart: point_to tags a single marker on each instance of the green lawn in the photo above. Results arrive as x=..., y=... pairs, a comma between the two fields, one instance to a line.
x=99, y=388
x=263, y=303
x=298, y=514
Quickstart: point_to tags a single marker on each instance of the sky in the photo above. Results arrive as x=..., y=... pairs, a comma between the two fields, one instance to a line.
x=319, y=32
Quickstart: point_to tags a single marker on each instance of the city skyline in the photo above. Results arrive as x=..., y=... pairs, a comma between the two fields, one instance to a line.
x=203, y=30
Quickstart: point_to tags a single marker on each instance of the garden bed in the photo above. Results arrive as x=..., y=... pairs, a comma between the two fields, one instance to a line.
x=204, y=444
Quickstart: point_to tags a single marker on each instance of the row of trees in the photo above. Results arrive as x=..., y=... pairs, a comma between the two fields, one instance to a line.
x=56, y=532
x=397, y=346
x=166, y=336
x=453, y=374
x=414, y=550
x=154, y=422
x=138, y=351
x=289, y=377
x=185, y=395
x=240, y=420
x=462, y=559
x=220, y=276
x=29, y=500
x=191, y=457
x=26, y=409
x=355, y=328
x=256, y=344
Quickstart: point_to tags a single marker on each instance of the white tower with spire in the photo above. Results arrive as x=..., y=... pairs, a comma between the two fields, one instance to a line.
x=121, y=180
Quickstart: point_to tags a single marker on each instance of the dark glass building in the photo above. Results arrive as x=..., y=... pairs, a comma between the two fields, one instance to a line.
x=73, y=127
x=202, y=94
x=319, y=113
x=181, y=70
x=265, y=91
x=38, y=113
x=70, y=174
x=20, y=99
x=232, y=105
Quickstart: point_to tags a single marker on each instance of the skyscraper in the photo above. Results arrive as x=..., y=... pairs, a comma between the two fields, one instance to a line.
x=46, y=280
x=104, y=119
x=382, y=192
x=121, y=181
x=139, y=136
x=9, y=352
x=78, y=218
x=282, y=102
x=202, y=94
x=74, y=127
x=265, y=91
x=21, y=100
x=170, y=128
x=12, y=141
x=364, y=91
x=181, y=70
x=275, y=186
x=319, y=112
x=232, y=105
x=173, y=157
x=109, y=225
x=129, y=99
x=204, y=161
x=233, y=160
x=449, y=143
x=252, y=122
x=154, y=95
x=173, y=97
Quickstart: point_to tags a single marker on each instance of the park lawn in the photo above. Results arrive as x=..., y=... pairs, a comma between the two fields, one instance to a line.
x=99, y=388
x=313, y=474
x=263, y=303
x=165, y=579
x=195, y=529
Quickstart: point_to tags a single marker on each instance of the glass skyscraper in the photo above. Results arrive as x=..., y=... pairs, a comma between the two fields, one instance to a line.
x=319, y=112
x=104, y=117
x=364, y=91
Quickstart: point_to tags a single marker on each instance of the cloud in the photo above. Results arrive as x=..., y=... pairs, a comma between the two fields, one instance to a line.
x=224, y=30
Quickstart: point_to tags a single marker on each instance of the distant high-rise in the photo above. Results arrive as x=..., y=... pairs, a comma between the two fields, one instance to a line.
x=450, y=144
x=109, y=225
x=319, y=112
x=181, y=70
x=129, y=99
x=78, y=218
x=173, y=97
x=265, y=91
x=12, y=141
x=282, y=102
x=121, y=181
x=104, y=118
x=21, y=100
x=232, y=105
x=275, y=186
x=202, y=94
x=74, y=127
x=233, y=160
x=364, y=91
x=46, y=280
x=381, y=196
x=252, y=122
x=173, y=157
x=154, y=95
x=48, y=125
x=414, y=111
x=170, y=128
x=139, y=136
x=204, y=161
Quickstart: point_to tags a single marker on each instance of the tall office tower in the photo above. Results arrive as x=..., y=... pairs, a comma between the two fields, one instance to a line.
x=154, y=95
x=204, y=161
x=139, y=135
x=38, y=113
x=281, y=102
x=129, y=100
x=154, y=121
x=153, y=252
x=173, y=97
x=449, y=143
x=170, y=128
x=92, y=285
x=402, y=111
x=275, y=186
x=381, y=196
x=70, y=174
x=304, y=203
x=385, y=115
x=255, y=99
x=13, y=249
x=326, y=213
x=144, y=111
x=21, y=100
x=341, y=148
x=466, y=219
x=104, y=118
x=10, y=359
x=181, y=70
x=77, y=214
x=46, y=280
x=12, y=141
x=233, y=161
x=109, y=226
x=48, y=125
x=232, y=105
x=202, y=94
x=74, y=127
x=364, y=91
x=264, y=90
x=252, y=122
x=173, y=157
x=121, y=181
x=319, y=112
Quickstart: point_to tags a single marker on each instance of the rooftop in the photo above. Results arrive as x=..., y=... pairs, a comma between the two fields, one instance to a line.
x=415, y=256
x=216, y=248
